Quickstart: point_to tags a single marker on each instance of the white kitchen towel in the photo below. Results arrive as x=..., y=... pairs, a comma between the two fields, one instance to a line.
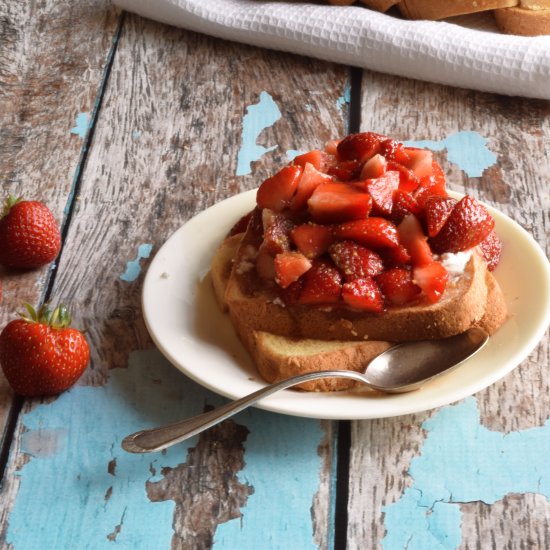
x=466, y=52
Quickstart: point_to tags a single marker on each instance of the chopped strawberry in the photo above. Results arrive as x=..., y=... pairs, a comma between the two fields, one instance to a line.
x=382, y=190
x=291, y=294
x=403, y=204
x=315, y=158
x=310, y=179
x=241, y=225
x=468, y=224
x=345, y=170
x=413, y=239
x=289, y=267
x=363, y=294
x=360, y=146
x=277, y=228
x=373, y=168
x=394, y=150
x=276, y=192
x=355, y=261
x=437, y=210
x=408, y=181
x=432, y=279
x=322, y=284
x=396, y=256
x=311, y=239
x=397, y=286
x=331, y=147
x=338, y=202
x=491, y=247
x=372, y=232
x=433, y=185
x=420, y=161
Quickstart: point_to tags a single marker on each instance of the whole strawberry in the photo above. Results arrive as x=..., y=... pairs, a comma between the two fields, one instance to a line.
x=29, y=234
x=40, y=354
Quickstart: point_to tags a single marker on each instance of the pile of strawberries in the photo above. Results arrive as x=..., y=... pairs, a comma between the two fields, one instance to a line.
x=363, y=224
x=40, y=354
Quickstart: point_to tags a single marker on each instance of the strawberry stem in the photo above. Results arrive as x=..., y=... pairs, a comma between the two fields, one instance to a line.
x=9, y=203
x=58, y=318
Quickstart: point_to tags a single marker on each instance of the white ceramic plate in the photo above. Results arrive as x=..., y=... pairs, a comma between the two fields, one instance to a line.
x=189, y=329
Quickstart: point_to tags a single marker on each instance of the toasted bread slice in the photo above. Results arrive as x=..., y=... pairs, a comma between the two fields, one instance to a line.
x=532, y=21
x=247, y=297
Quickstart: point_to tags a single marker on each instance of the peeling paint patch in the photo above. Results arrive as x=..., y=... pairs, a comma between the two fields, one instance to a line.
x=136, y=134
x=467, y=149
x=133, y=268
x=345, y=98
x=44, y=442
x=82, y=504
x=82, y=125
x=258, y=117
x=462, y=462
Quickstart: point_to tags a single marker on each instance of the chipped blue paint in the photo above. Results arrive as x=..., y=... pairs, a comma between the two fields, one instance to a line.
x=467, y=149
x=68, y=498
x=345, y=98
x=258, y=117
x=284, y=467
x=136, y=134
x=83, y=499
x=291, y=154
x=82, y=125
x=133, y=269
x=461, y=462
x=308, y=107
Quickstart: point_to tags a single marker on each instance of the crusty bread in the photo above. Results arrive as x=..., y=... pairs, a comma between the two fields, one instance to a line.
x=532, y=21
x=380, y=5
x=278, y=357
x=463, y=304
x=435, y=9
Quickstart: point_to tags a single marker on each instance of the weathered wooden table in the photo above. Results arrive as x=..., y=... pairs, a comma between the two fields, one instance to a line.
x=126, y=129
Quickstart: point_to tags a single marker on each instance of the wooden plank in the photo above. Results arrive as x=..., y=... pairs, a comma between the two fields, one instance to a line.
x=167, y=144
x=51, y=65
x=408, y=462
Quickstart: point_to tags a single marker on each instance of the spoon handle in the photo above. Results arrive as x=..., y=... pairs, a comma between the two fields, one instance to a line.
x=157, y=439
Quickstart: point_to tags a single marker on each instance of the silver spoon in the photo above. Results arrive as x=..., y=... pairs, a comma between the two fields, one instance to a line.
x=402, y=368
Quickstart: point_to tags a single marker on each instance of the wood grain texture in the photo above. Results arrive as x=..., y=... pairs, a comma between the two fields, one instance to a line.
x=518, y=131
x=52, y=59
x=165, y=147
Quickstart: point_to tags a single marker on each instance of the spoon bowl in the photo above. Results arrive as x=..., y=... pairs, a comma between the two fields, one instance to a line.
x=402, y=368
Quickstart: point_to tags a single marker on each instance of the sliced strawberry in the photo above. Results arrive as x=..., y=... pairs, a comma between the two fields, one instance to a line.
x=373, y=168
x=363, y=294
x=408, y=181
x=338, y=202
x=291, y=294
x=372, y=232
x=355, y=261
x=468, y=224
x=491, y=247
x=310, y=179
x=315, y=158
x=403, y=204
x=395, y=151
x=432, y=279
x=289, y=267
x=382, y=190
x=276, y=233
x=331, y=147
x=413, y=239
x=437, y=210
x=397, y=286
x=311, y=239
x=322, y=284
x=241, y=225
x=360, y=146
x=276, y=192
x=346, y=170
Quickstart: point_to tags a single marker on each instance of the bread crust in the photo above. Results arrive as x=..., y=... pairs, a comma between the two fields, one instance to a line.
x=524, y=22
x=435, y=9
